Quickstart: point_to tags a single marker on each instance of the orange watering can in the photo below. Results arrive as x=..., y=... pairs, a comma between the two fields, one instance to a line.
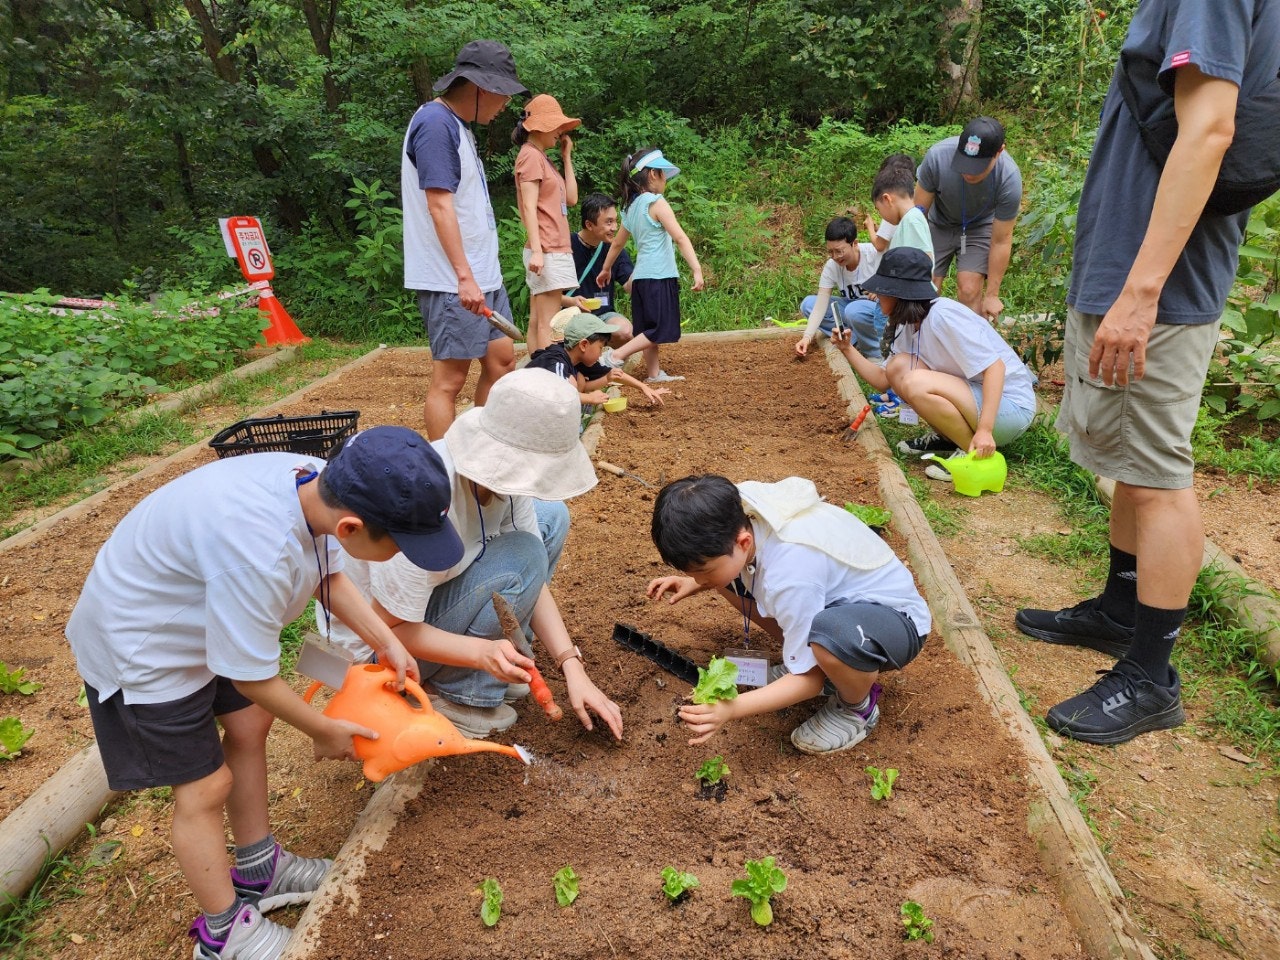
x=407, y=734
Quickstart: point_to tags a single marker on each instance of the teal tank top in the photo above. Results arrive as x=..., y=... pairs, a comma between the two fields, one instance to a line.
x=655, y=253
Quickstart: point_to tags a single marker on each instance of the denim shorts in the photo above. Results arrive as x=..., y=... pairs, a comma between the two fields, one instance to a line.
x=868, y=637
x=453, y=331
x=1012, y=419
x=162, y=744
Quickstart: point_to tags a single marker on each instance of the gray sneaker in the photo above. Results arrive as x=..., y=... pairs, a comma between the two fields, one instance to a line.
x=835, y=727
x=515, y=692
x=607, y=359
x=295, y=880
x=252, y=937
x=476, y=723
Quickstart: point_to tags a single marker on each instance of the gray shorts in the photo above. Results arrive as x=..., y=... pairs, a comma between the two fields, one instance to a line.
x=162, y=744
x=1138, y=434
x=946, y=245
x=453, y=331
x=866, y=636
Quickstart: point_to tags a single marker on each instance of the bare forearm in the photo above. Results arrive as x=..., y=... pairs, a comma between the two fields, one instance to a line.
x=998, y=264
x=349, y=605
x=868, y=370
x=779, y=695
x=528, y=202
x=992, y=391
x=816, y=314
x=277, y=698
x=434, y=645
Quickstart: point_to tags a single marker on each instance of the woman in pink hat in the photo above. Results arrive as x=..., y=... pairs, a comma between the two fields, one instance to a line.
x=544, y=198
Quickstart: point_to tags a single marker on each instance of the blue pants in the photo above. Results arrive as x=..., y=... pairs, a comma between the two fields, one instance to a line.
x=863, y=317
x=516, y=566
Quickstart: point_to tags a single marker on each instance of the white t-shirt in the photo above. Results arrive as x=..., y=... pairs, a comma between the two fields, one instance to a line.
x=848, y=283
x=439, y=152
x=403, y=589
x=955, y=340
x=793, y=583
x=198, y=580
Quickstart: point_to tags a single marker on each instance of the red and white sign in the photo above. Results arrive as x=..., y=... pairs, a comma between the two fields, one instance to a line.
x=246, y=242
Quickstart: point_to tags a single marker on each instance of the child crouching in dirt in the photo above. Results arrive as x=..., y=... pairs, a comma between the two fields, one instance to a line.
x=814, y=577
x=577, y=341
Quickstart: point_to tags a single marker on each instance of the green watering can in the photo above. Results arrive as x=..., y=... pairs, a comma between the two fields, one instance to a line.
x=972, y=476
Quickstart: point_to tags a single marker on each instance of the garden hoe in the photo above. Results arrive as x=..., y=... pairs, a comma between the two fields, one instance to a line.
x=537, y=686
x=501, y=323
x=617, y=471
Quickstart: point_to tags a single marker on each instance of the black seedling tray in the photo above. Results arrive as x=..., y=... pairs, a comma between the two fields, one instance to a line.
x=651, y=649
x=313, y=436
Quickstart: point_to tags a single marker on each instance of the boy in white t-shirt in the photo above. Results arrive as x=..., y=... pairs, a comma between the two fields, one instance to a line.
x=177, y=633
x=814, y=577
x=848, y=264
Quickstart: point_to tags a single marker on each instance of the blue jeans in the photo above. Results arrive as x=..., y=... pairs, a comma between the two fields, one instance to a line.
x=516, y=566
x=863, y=317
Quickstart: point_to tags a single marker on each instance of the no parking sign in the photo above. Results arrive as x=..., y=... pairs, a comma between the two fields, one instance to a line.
x=246, y=242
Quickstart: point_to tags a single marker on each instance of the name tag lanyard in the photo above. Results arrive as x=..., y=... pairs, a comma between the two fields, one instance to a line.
x=965, y=221
x=326, y=587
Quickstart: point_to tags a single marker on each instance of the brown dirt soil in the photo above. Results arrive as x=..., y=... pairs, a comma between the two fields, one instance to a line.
x=953, y=837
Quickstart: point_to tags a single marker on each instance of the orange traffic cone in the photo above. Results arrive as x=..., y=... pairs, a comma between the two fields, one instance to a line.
x=280, y=329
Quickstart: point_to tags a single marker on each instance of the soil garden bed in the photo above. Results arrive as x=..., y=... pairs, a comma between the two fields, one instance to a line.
x=954, y=836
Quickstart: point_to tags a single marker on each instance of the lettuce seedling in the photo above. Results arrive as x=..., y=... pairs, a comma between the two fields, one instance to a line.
x=713, y=771
x=11, y=681
x=565, y=882
x=869, y=514
x=763, y=881
x=677, y=883
x=717, y=681
x=12, y=736
x=915, y=925
x=882, y=782
x=491, y=908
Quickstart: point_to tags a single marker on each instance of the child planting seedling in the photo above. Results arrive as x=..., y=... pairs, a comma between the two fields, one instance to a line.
x=491, y=906
x=882, y=782
x=676, y=884
x=814, y=577
x=565, y=882
x=711, y=779
x=915, y=925
x=763, y=881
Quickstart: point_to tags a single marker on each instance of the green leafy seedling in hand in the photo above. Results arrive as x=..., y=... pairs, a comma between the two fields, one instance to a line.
x=11, y=681
x=713, y=771
x=491, y=908
x=677, y=883
x=12, y=736
x=915, y=925
x=882, y=782
x=869, y=514
x=565, y=882
x=717, y=681
x=763, y=881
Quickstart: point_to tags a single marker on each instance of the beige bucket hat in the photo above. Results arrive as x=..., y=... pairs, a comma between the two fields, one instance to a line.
x=524, y=440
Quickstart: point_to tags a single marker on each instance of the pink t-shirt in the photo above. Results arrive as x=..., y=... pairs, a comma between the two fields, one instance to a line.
x=532, y=166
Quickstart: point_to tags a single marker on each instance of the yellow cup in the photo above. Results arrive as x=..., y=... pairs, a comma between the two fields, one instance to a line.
x=615, y=404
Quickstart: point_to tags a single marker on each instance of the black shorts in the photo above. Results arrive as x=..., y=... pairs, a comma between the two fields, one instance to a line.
x=655, y=309
x=162, y=744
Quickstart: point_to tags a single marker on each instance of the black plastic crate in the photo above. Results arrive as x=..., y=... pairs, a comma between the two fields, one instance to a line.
x=313, y=436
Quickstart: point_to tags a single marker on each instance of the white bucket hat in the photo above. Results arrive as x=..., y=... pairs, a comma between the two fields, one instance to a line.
x=524, y=440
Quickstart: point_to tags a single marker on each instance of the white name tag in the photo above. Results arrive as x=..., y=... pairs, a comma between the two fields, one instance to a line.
x=753, y=667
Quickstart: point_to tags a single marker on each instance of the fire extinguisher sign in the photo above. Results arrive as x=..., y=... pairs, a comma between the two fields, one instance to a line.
x=245, y=241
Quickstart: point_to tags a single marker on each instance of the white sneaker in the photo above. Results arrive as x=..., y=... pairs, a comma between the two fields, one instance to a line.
x=476, y=723
x=834, y=728
x=607, y=359
x=664, y=377
x=252, y=937
x=935, y=472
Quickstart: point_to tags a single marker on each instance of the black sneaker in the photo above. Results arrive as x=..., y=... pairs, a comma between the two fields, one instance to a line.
x=1083, y=625
x=1118, y=707
x=926, y=443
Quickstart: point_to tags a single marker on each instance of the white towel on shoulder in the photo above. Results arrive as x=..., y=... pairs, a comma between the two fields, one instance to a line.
x=796, y=514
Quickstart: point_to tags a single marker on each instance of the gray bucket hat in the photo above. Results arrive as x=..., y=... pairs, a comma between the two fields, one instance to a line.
x=489, y=65
x=905, y=273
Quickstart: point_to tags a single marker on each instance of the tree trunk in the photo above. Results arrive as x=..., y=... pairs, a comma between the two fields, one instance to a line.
x=321, y=30
x=960, y=84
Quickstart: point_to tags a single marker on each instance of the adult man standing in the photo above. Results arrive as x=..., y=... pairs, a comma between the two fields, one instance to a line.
x=450, y=232
x=971, y=190
x=1151, y=275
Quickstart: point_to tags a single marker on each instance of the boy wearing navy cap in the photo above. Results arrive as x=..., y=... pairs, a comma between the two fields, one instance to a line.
x=177, y=630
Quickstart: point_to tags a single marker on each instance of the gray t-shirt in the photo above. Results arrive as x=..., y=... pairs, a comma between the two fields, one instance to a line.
x=1236, y=40
x=960, y=204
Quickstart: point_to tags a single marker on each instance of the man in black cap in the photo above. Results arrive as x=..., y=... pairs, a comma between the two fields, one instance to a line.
x=450, y=231
x=177, y=636
x=971, y=190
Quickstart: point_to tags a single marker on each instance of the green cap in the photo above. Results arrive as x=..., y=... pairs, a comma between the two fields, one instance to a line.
x=583, y=326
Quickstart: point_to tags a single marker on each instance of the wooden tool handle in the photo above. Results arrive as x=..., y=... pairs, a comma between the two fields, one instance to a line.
x=613, y=468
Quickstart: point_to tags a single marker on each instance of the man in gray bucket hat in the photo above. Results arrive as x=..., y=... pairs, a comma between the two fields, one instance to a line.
x=450, y=232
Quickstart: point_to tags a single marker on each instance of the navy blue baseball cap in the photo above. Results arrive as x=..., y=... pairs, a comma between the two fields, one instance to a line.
x=391, y=477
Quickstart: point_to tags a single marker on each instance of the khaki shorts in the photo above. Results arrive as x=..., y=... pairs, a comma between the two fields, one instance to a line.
x=1138, y=434
x=557, y=273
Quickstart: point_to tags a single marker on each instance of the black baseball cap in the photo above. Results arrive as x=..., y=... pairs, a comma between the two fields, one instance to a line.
x=489, y=65
x=391, y=476
x=905, y=273
x=981, y=139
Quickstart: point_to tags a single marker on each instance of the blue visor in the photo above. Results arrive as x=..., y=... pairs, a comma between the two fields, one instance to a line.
x=654, y=160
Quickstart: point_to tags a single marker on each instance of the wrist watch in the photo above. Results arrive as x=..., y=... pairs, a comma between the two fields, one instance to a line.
x=567, y=656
